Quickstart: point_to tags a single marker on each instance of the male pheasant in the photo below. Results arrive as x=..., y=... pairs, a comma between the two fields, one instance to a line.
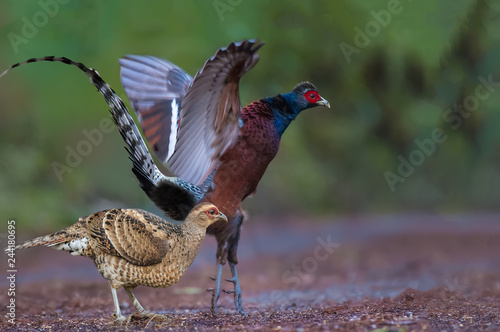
x=133, y=247
x=199, y=129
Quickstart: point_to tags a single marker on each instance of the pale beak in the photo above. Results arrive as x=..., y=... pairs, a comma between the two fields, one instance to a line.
x=323, y=102
x=223, y=216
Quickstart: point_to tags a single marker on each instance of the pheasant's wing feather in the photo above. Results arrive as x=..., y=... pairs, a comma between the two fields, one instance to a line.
x=189, y=123
x=155, y=88
x=135, y=235
x=209, y=113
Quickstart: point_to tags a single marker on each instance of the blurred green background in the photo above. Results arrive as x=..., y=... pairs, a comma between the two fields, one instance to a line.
x=393, y=71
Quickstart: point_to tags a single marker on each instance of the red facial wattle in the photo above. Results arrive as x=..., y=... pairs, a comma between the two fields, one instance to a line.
x=312, y=96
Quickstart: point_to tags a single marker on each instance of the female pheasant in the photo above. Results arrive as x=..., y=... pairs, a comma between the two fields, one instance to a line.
x=133, y=247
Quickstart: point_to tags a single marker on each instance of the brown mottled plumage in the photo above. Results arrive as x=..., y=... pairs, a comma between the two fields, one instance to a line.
x=132, y=247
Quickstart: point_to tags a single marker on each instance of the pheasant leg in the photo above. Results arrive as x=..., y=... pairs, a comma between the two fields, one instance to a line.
x=237, y=290
x=141, y=312
x=135, y=301
x=232, y=253
x=216, y=290
x=118, y=314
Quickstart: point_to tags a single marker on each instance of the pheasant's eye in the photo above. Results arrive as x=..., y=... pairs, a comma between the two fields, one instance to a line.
x=312, y=96
x=212, y=212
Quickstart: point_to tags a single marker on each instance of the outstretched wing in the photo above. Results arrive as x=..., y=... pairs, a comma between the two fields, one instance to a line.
x=155, y=88
x=210, y=111
x=129, y=234
x=200, y=118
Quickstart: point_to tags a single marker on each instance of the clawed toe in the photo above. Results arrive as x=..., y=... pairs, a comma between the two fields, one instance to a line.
x=236, y=291
x=120, y=318
x=233, y=280
x=146, y=315
x=140, y=317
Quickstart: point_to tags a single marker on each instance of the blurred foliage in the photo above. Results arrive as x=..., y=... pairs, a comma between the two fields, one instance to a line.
x=401, y=83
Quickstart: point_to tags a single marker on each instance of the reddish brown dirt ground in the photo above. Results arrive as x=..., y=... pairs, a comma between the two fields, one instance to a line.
x=397, y=273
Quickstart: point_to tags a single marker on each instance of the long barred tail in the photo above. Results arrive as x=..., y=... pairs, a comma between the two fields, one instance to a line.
x=138, y=152
x=173, y=195
x=72, y=239
x=66, y=235
x=47, y=240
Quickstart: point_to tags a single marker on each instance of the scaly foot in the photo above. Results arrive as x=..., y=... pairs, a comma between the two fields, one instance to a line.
x=216, y=290
x=237, y=290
